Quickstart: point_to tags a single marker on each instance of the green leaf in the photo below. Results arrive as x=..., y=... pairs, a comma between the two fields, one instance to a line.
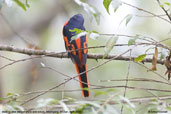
x=92, y=11
x=76, y=30
x=80, y=109
x=110, y=90
x=19, y=3
x=140, y=58
x=116, y=4
x=10, y=94
x=154, y=100
x=54, y=102
x=97, y=93
x=110, y=45
x=79, y=33
x=106, y=4
x=97, y=17
x=128, y=18
x=27, y=4
x=167, y=3
x=86, y=89
x=131, y=41
x=94, y=31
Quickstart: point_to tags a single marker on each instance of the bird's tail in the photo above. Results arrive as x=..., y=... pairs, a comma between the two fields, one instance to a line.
x=84, y=83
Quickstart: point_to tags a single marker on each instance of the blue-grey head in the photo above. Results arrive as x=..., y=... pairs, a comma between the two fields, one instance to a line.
x=77, y=19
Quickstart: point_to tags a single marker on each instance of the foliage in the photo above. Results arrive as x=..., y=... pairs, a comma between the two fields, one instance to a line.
x=80, y=106
x=24, y=6
x=140, y=58
x=111, y=98
x=79, y=33
x=110, y=45
x=127, y=18
x=106, y=4
x=89, y=9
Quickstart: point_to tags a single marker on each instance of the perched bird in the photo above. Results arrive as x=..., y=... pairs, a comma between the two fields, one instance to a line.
x=167, y=63
x=77, y=49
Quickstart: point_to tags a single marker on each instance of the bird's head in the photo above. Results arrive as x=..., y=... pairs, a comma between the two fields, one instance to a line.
x=77, y=19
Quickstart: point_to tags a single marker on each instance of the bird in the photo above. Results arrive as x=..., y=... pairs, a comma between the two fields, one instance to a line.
x=77, y=50
x=167, y=63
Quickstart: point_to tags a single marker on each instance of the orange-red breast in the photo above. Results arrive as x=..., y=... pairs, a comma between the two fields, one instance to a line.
x=76, y=47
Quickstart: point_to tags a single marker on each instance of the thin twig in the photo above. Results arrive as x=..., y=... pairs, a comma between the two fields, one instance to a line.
x=150, y=16
x=106, y=102
x=73, y=78
x=137, y=80
x=154, y=72
x=140, y=9
x=164, y=10
x=104, y=87
x=7, y=58
x=42, y=93
x=65, y=75
x=127, y=75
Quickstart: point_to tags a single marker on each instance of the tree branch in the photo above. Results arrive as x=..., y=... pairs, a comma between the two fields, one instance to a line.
x=164, y=10
x=43, y=53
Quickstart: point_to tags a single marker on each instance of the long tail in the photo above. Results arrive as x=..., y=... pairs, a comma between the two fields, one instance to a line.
x=83, y=78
